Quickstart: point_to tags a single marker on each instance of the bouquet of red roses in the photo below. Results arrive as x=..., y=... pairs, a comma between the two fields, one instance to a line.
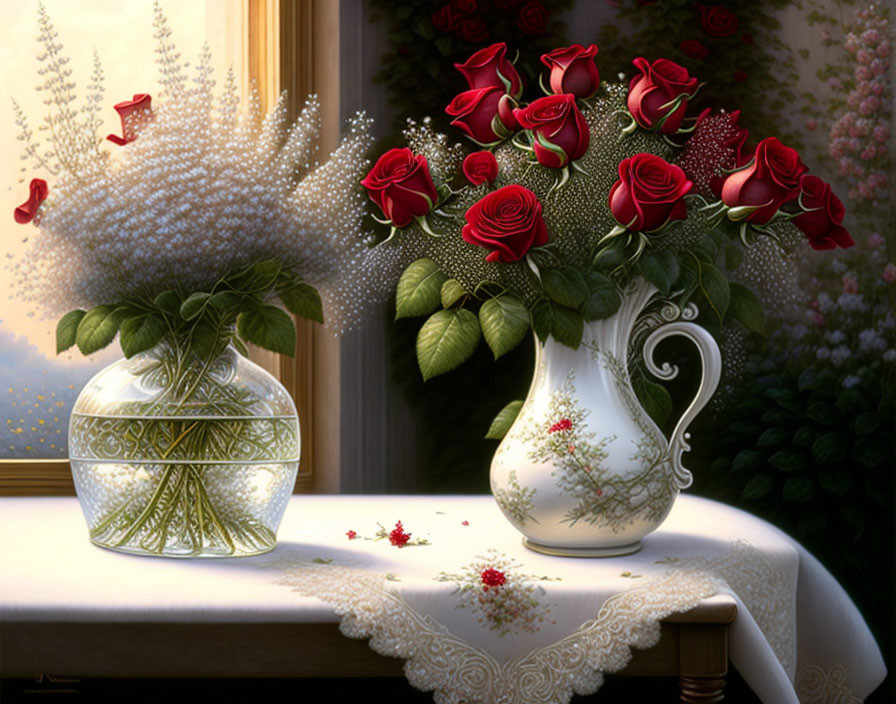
x=574, y=195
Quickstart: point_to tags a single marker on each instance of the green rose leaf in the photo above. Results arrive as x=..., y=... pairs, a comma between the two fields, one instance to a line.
x=542, y=319
x=836, y=481
x=747, y=308
x=603, y=297
x=734, y=256
x=258, y=277
x=654, y=397
x=609, y=257
x=140, y=333
x=773, y=437
x=446, y=340
x=204, y=337
x=451, y=292
x=194, y=304
x=715, y=288
x=505, y=322
x=502, y=422
x=168, y=301
x=269, y=327
x=567, y=326
x=67, y=329
x=565, y=286
x=804, y=436
x=867, y=423
x=419, y=289
x=661, y=269
x=302, y=299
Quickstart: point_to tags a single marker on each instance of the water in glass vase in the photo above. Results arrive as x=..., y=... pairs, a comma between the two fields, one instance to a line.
x=179, y=455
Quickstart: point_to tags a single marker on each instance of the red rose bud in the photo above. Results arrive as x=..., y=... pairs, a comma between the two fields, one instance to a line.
x=400, y=184
x=508, y=222
x=560, y=131
x=573, y=70
x=484, y=114
x=736, y=156
x=490, y=67
x=756, y=192
x=480, y=167
x=658, y=98
x=473, y=30
x=649, y=193
x=492, y=577
x=533, y=18
x=133, y=113
x=445, y=19
x=718, y=21
x=694, y=48
x=821, y=224
x=26, y=212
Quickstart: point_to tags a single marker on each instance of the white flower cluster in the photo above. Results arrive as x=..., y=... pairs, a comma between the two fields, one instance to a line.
x=204, y=188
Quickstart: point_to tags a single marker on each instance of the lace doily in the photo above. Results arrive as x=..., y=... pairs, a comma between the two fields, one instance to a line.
x=371, y=607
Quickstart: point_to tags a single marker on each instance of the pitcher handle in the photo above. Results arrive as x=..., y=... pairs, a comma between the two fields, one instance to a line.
x=711, y=362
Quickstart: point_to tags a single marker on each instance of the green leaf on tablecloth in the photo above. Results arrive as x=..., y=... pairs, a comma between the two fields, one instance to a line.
x=502, y=422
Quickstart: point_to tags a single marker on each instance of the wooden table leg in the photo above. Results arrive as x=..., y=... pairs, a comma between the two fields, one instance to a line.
x=703, y=661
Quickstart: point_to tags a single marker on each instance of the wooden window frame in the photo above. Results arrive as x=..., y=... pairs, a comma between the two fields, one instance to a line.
x=280, y=53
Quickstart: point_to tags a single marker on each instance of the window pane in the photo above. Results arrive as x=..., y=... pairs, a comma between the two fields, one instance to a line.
x=38, y=388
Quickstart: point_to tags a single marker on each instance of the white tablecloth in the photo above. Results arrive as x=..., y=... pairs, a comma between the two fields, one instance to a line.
x=476, y=616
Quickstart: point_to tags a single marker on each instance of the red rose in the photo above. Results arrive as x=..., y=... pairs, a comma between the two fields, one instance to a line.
x=560, y=131
x=480, y=167
x=492, y=578
x=26, y=212
x=718, y=21
x=747, y=38
x=468, y=6
x=484, y=114
x=771, y=179
x=533, y=18
x=507, y=221
x=694, y=48
x=658, y=98
x=473, y=30
x=573, y=70
x=133, y=113
x=822, y=224
x=400, y=184
x=490, y=67
x=649, y=193
x=445, y=19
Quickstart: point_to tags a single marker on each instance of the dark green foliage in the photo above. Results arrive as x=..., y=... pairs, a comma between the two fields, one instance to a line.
x=739, y=70
x=418, y=68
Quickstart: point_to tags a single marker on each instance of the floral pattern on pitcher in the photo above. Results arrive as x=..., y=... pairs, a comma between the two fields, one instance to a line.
x=603, y=498
x=516, y=500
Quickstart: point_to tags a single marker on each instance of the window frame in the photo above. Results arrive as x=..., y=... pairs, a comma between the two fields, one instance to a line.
x=279, y=52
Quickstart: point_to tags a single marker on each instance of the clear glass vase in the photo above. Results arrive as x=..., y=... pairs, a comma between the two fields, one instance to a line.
x=181, y=456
